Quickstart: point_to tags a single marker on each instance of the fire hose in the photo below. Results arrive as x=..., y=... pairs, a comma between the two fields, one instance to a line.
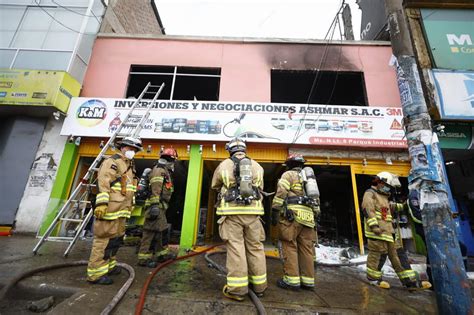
x=141, y=301
x=109, y=306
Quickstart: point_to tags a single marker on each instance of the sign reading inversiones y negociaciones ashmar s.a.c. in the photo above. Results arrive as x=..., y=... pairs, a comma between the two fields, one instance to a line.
x=327, y=125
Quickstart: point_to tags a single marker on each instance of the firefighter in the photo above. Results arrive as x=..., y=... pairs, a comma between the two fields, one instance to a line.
x=379, y=231
x=294, y=212
x=239, y=181
x=151, y=249
x=117, y=184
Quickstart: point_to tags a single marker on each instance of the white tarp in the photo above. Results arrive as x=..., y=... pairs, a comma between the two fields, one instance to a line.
x=327, y=125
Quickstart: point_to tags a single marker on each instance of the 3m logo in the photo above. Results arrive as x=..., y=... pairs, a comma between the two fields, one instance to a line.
x=459, y=43
x=396, y=125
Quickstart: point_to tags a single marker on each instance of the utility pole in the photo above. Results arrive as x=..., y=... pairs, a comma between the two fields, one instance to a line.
x=452, y=287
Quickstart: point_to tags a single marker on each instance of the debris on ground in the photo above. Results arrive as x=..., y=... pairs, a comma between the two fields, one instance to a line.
x=42, y=305
x=333, y=255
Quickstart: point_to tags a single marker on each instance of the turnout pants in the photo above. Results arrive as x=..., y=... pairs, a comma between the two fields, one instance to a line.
x=297, y=243
x=378, y=252
x=108, y=236
x=152, y=238
x=243, y=235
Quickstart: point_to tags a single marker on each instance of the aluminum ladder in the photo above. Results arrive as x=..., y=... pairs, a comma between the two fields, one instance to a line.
x=73, y=212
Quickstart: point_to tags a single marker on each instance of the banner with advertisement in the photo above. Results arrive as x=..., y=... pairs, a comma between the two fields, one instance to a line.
x=326, y=125
x=37, y=88
x=455, y=93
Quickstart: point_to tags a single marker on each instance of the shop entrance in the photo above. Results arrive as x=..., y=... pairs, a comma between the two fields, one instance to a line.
x=336, y=225
x=174, y=213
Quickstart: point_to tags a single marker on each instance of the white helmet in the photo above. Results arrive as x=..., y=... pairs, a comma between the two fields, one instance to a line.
x=389, y=179
x=236, y=145
x=130, y=142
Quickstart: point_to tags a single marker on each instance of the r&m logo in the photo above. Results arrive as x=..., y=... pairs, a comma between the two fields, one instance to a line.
x=461, y=43
x=91, y=113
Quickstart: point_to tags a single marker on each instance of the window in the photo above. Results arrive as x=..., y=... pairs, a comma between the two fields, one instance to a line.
x=330, y=87
x=181, y=83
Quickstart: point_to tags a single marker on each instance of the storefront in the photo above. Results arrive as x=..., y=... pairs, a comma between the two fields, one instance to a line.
x=346, y=146
x=31, y=105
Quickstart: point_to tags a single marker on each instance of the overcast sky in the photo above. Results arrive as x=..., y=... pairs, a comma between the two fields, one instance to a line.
x=309, y=19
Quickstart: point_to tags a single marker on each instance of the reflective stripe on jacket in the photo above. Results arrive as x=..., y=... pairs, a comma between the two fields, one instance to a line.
x=376, y=206
x=224, y=179
x=117, y=186
x=291, y=185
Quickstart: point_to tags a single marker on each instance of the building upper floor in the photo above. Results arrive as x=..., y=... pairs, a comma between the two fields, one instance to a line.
x=245, y=70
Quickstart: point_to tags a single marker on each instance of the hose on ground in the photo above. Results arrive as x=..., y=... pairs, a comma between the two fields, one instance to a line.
x=141, y=300
x=255, y=300
x=116, y=299
x=109, y=306
x=344, y=264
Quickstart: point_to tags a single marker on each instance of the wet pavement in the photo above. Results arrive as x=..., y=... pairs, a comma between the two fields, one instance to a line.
x=189, y=287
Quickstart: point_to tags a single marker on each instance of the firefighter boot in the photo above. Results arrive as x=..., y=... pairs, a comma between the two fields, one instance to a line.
x=165, y=255
x=282, y=284
x=116, y=271
x=104, y=280
x=380, y=283
x=235, y=297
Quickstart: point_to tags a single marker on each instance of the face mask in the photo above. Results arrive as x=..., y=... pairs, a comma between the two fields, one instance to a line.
x=129, y=154
x=386, y=190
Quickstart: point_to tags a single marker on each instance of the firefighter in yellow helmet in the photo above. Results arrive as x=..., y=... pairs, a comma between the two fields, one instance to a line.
x=161, y=185
x=117, y=185
x=239, y=181
x=380, y=232
x=295, y=209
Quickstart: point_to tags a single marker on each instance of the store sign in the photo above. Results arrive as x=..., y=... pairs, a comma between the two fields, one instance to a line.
x=373, y=20
x=455, y=93
x=37, y=88
x=450, y=35
x=456, y=135
x=326, y=125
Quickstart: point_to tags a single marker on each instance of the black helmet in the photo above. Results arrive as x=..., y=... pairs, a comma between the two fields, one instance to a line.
x=236, y=145
x=130, y=142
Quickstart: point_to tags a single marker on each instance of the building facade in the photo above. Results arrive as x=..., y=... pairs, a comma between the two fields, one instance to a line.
x=348, y=127
x=443, y=35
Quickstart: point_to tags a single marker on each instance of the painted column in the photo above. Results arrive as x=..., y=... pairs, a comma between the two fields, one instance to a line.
x=357, y=212
x=192, y=200
x=61, y=185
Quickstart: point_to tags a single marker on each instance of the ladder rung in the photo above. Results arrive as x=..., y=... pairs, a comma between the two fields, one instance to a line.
x=154, y=86
x=80, y=201
x=95, y=169
x=59, y=238
x=130, y=125
x=71, y=220
x=135, y=116
x=152, y=92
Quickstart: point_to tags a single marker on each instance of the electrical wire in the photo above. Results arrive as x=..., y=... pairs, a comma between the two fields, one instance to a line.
x=75, y=12
x=59, y=22
x=331, y=30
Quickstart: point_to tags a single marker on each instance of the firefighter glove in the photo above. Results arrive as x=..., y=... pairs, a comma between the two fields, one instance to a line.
x=275, y=216
x=376, y=230
x=154, y=212
x=100, y=211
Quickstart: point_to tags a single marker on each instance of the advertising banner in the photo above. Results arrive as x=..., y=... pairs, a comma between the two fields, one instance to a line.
x=326, y=125
x=450, y=36
x=455, y=93
x=37, y=88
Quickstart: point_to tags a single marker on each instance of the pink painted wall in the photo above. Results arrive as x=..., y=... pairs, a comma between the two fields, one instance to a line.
x=245, y=67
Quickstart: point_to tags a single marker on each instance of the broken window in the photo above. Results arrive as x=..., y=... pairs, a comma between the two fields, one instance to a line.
x=330, y=87
x=181, y=83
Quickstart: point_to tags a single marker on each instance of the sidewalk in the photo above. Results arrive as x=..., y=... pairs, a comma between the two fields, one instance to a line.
x=190, y=287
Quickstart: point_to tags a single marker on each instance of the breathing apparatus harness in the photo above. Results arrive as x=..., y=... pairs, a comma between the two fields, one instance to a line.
x=244, y=192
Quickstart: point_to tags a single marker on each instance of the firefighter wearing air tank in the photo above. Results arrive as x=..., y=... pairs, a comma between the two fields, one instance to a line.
x=380, y=232
x=161, y=188
x=117, y=184
x=295, y=207
x=239, y=181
